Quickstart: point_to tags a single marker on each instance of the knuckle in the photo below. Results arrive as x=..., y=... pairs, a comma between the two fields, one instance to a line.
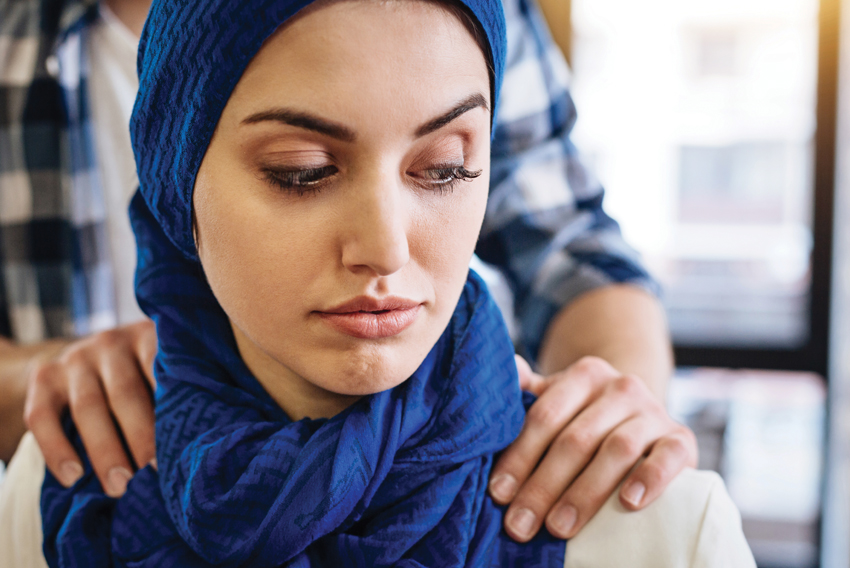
x=687, y=437
x=118, y=383
x=653, y=474
x=627, y=385
x=144, y=330
x=577, y=440
x=42, y=374
x=544, y=412
x=84, y=400
x=34, y=414
x=623, y=444
x=74, y=357
x=109, y=339
x=590, y=365
x=678, y=446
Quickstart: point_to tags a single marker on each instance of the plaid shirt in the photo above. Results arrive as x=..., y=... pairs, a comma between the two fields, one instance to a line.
x=544, y=228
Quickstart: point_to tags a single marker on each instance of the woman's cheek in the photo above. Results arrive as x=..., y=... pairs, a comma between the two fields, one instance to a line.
x=245, y=255
x=451, y=239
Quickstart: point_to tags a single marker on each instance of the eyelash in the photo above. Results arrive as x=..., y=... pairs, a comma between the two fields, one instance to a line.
x=300, y=182
x=449, y=176
x=444, y=178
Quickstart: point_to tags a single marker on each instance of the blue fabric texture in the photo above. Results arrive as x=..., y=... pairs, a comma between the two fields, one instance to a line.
x=397, y=479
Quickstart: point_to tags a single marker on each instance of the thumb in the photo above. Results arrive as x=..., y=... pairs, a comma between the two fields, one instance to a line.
x=528, y=379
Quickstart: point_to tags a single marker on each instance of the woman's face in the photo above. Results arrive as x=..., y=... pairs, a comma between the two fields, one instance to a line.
x=340, y=199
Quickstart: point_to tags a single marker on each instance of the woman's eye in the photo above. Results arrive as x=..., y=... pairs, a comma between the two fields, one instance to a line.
x=445, y=178
x=300, y=180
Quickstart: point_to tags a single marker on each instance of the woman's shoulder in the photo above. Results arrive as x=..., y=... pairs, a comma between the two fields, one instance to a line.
x=692, y=524
x=20, y=512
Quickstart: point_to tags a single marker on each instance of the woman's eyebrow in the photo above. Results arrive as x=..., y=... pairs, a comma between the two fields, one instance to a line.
x=308, y=121
x=467, y=104
x=303, y=120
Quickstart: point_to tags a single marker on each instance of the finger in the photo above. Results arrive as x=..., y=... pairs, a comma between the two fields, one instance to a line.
x=545, y=419
x=567, y=456
x=97, y=430
x=667, y=457
x=130, y=401
x=528, y=379
x=621, y=449
x=569, y=392
x=42, y=413
x=146, y=346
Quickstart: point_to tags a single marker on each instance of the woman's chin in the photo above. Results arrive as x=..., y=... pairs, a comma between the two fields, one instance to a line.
x=353, y=376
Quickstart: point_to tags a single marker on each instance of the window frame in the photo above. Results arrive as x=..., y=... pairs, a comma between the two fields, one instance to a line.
x=814, y=354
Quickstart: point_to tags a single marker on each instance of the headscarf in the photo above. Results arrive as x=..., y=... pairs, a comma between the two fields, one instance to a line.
x=397, y=479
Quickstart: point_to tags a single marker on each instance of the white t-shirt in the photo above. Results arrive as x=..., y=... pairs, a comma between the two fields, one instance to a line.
x=112, y=87
x=693, y=524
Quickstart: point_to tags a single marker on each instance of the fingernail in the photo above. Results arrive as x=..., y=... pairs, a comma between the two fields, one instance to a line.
x=522, y=522
x=563, y=519
x=70, y=471
x=503, y=487
x=633, y=492
x=116, y=481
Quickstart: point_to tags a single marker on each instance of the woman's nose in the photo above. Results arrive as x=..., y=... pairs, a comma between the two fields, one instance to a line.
x=376, y=233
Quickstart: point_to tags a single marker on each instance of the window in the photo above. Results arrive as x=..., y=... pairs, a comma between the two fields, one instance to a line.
x=700, y=119
x=711, y=124
x=716, y=53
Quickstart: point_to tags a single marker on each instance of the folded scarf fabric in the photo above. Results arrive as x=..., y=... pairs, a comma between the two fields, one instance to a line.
x=397, y=479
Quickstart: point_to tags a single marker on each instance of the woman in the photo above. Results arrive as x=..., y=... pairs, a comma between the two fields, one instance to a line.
x=332, y=380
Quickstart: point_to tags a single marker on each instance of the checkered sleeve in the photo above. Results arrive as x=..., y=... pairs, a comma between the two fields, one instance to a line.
x=545, y=226
x=20, y=308
x=52, y=257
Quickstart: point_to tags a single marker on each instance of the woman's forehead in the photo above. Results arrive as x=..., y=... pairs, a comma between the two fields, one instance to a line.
x=378, y=31
x=360, y=59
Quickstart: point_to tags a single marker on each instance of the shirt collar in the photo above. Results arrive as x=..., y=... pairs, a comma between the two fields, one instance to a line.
x=75, y=15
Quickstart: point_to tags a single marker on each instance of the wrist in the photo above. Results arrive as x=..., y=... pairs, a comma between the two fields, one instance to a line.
x=17, y=361
x=16, y=365
x=622, y=324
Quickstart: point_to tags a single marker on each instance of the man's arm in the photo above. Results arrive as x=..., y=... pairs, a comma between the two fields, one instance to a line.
x=621, y=324
x=586, y=311
x=626, y=327
x=592, y=423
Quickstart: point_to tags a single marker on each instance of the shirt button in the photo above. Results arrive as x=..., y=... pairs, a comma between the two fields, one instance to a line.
x=52, y=64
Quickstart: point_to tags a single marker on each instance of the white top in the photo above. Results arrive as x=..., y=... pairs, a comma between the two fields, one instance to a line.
x=692, y=525
x=20, y=509
x=112, y=86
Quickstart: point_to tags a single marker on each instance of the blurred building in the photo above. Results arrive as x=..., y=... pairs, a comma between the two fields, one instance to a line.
x=699, y=116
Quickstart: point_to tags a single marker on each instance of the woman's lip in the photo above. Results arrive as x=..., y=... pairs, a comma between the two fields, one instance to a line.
x=372, y=325
x=369, y=304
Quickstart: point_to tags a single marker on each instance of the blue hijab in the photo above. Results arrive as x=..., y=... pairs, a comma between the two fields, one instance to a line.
x=397, y=479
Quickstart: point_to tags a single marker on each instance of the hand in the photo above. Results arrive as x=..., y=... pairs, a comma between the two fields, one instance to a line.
x=584, y=434
x=104, y=378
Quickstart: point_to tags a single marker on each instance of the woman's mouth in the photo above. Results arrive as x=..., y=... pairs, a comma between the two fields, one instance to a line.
x=371, y=318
